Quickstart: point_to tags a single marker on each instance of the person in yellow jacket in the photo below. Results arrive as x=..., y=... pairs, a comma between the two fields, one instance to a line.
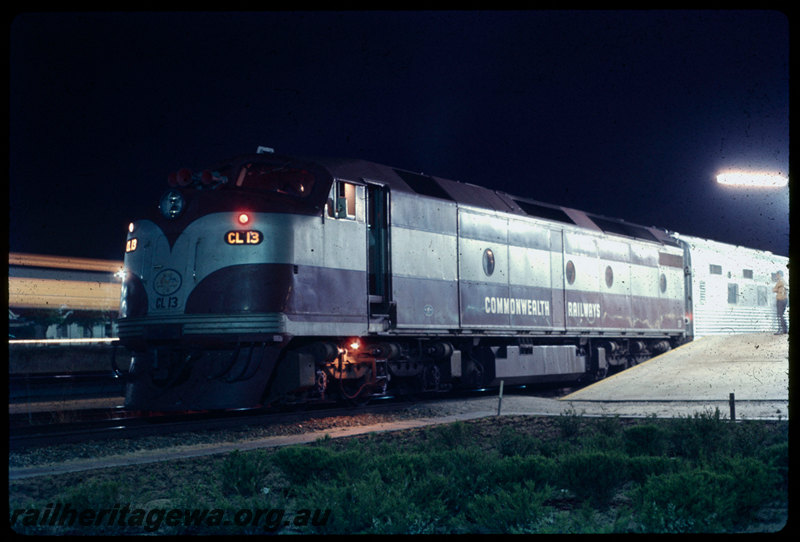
x=780, y=301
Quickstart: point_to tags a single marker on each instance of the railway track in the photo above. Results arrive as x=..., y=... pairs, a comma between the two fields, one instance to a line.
x=134, y=425
x=78, y=385
x=41, y=429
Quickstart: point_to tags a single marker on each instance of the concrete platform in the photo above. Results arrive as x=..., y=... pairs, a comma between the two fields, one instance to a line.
x=754, y=367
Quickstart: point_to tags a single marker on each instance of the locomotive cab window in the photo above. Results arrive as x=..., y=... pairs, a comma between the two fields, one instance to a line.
x=342, y=200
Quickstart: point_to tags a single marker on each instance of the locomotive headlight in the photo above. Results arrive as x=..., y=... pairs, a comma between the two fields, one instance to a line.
x=172, y=204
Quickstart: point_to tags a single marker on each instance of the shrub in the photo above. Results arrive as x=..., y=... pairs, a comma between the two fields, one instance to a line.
x=755, y=484
x=646, y=439
x=691, y=501
x=569, y=422
x=532, y=468
x=304, y=463
x=777, y=456
x=510, y=442
x=243, y=473
x=642, y=467
x=93, y=494
x=453, y=434
x=515, y=509
x=701, y=435
x=593, y=475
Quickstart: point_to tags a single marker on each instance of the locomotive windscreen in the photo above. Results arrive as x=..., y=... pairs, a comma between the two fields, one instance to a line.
x=281, y=179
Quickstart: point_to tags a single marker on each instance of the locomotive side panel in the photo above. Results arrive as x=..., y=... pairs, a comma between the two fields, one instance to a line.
x=483, y=269
x=328, y=278
x=535, y=281
x=510, y=273
x=671, y=288
x=424, y=263
x=581, y=282
x=615, y=285
x=644, y=285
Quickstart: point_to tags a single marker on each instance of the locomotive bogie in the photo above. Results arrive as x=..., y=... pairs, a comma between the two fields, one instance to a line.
x=192, y=378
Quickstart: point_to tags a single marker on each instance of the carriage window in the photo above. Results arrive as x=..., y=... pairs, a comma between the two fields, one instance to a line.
x=715, y=269
x=733, y=293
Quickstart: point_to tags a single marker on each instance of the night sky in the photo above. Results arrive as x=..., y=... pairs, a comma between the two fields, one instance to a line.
x=627, y=114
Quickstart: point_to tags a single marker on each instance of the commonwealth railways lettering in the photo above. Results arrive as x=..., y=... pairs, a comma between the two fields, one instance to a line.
x=583, y=310
x=513, y=305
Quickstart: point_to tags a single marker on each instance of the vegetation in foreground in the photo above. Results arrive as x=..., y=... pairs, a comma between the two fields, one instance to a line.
x=567, y=474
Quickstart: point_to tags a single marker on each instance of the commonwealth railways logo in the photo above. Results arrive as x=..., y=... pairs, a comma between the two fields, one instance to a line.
x=167, y=282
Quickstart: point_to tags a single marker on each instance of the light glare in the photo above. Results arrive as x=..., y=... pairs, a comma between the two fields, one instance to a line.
x=752, y=178
x=63, y=341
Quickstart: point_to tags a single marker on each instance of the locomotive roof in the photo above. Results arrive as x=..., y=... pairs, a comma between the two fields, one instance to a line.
x=401, y=180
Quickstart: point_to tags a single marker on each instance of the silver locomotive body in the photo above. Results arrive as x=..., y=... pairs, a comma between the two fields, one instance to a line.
x=271, y=278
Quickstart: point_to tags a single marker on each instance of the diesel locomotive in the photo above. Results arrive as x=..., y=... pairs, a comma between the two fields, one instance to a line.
x=275, y=279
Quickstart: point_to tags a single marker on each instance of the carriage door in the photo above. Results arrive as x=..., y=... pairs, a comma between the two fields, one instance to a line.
x=378, y=271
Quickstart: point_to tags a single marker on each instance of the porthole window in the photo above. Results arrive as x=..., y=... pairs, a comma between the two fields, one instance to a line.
x=570, y=272
x=609, y=276
x=488, y=262
x=663, y=283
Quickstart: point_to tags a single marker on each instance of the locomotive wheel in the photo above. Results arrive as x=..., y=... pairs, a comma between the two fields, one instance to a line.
x=431, y=378
x=357, y=392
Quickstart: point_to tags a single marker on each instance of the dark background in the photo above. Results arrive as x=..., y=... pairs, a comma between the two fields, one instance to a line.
x=628, y=114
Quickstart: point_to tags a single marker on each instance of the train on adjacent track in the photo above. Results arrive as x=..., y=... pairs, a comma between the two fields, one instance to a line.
x=274, y=279
x=57, y=297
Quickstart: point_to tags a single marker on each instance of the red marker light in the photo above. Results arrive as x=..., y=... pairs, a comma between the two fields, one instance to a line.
x=244, y=218
x=184, y=177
